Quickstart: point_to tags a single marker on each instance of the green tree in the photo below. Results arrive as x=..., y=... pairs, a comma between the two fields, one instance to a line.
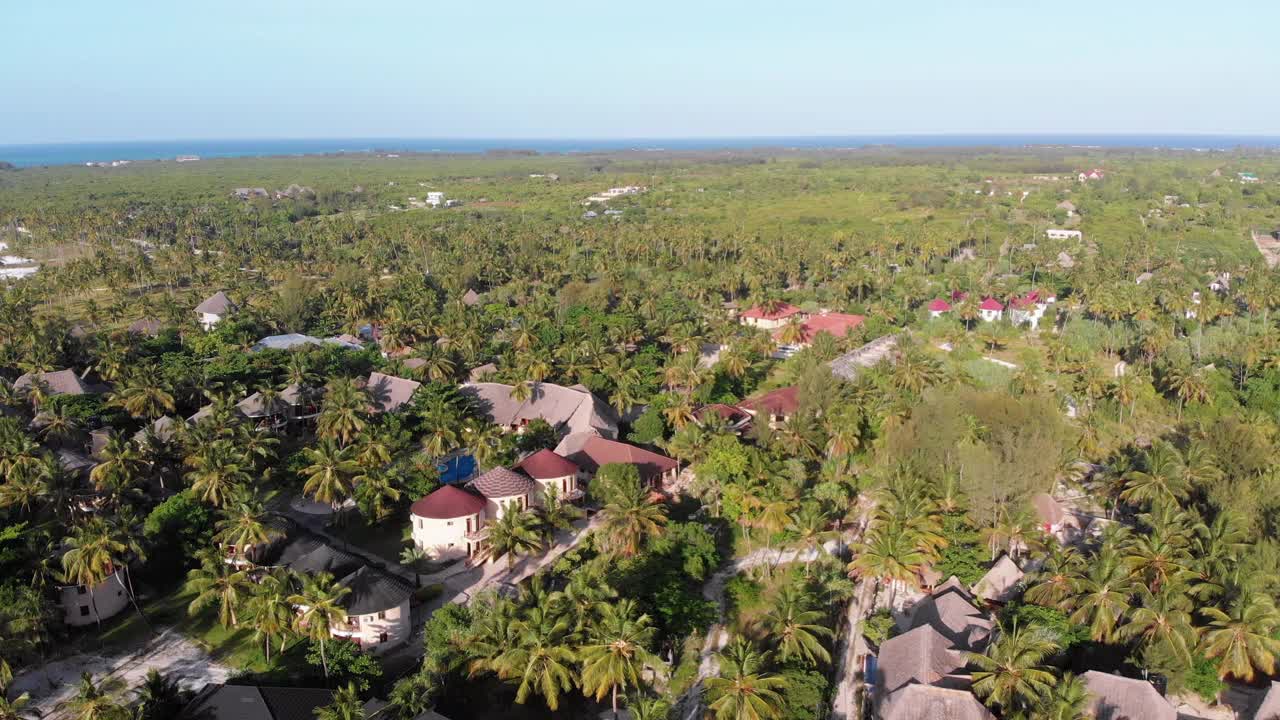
x=1012, y=676
x=320, y=599
x=617, y=655
x=743, y=690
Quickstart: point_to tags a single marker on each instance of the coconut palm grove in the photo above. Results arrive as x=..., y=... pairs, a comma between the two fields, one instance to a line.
x=774, y=434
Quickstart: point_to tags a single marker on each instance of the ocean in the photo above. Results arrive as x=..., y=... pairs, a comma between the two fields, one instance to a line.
x=95, y=152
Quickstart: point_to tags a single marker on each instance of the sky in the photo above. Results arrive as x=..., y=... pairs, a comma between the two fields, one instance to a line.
x=88, y=70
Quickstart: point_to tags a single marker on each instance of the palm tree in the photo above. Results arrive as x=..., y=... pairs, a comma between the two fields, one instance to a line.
x=1055, y=583
x=1163, y=480
x=1011, y=675
x=541, y=657
x=217, y=472
x=1162, y=622
x=269, y=612
x=94, y=701
x=14, y=709
x=618, y=654
x=158, y=697
x=792, y=623
x=629, y=521
x=1244, y=639
x=376, y=491
x=743, y=691
x=120, y=466
x=343, y=411
x=216, y=582
x=245, y=526
x=891, y=554
x=94, y=555
x=144, y=397
x=346, y=705
x=809, y=525
x=320, y=608
x=514, y=533
x=1068, y=700
x=1102, y=595
x=556, y=514
x=328, y=473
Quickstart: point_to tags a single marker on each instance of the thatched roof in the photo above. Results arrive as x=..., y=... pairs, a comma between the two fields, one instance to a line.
x=950, y=611
x=216, y=304
x=926, y=702
x=922, y=655
x=1113, y=697
x=563, y=408
x=1000, y=584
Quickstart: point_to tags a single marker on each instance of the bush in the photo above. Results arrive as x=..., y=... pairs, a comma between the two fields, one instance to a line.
x=346, y=663
x=879, y=627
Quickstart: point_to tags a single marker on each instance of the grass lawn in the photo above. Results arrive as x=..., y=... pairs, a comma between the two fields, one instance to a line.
x=988, y=374
x=384, y=539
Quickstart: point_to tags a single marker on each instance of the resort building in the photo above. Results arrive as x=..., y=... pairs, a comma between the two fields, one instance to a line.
x=1113, y=697
x=82, y=605
x=568, y=410
x=773, y=319
x=504, y=490
x=60, y=382
x=549, y=470
x=387, y=393
x=991, y=310
x=838, y=325
x=776, y=406
x=939, y=307
x=655, y=469
x=377, y=610
x=214, y=309
x=448, y=523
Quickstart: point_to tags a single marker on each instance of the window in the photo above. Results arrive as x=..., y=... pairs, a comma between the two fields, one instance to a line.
x=82, y=590
x=382, y=637
x=449, y=523
x=382, y=615
x=84, y=611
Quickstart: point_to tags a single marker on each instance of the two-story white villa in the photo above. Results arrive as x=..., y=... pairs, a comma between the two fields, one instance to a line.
x=82, y=605
x=214, y=308
x=503, y=489
x=377, y=608
x=449, y=523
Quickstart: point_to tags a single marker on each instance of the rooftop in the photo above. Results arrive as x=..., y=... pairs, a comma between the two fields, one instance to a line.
x=781, y=312
x=546, y=465
x=216, y=304
x=446, y=503
x=502, y=483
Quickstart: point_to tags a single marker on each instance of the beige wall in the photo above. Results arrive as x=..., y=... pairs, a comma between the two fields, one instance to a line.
x=445, y=539
x=109, y=597
x=564, y=485
x=368, y=629
x=494, y=507
x=765, y=324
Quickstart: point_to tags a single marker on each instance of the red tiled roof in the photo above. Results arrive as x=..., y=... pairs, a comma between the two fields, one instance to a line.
x=728, y=412
x=783, y=401
x=598, y=452
x=785, y=310
x=837, y=324
x=545, y=465
x=939, y=305
x=991, y=304
x=447, y=503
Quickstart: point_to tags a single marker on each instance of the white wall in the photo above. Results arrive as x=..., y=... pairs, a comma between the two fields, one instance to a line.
x=495, y=507
x=563, y=485
x=208, y=320
x=109, y=597
x=445, y=539
x=395, y=623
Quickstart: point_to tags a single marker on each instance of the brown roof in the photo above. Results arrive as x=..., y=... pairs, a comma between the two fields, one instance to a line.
x=482, y=372
x=146, y=326
x=922, y=655
x=728, y=413
x=501, y=482
x=783, y=401
x=61, y=382
x=216, y=304
x=546, y=465
x=1000, y=584
x=598, y=451
x=950, y=611
x=1047, y=509
x=254, y=406
x=927, y=702
x=389, y=392
x=1120, y=698
x=446, y=503
x=470, y=297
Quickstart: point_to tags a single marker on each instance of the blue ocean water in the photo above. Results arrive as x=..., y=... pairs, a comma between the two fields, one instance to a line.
x=79, y=153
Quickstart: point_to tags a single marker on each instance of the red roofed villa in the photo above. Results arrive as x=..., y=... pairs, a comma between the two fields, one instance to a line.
x=655, y=469
x=938, y=307
x=550, y=470
x=836, y=324
x=769, y=320
x=991, y=310
x=777, y=405
x=735, y=417
x=448, y=524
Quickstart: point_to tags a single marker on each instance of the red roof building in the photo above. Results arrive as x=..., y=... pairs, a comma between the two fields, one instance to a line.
x=939, y=306
x=836, y=324
x=780, y=403
x=546, y=465
x=448, y=503
x=735, y=417
x=992, y=305
x=598, y=451
x=784, y=311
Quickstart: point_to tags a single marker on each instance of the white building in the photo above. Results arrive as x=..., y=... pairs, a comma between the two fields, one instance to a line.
x=1030, y=308
x=550, y=470
x=991, y=310
x=435, y=198
x=82, y=605
x=1059, y=234
x=449, y=523
x=504, y=490
x=378, y=616
x=214, y=308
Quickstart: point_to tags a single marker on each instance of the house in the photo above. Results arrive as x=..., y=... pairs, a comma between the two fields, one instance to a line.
x=82, y=605
x=377, y=606
x=550, y=470
x=292, y=341
x=470, y=297
x=435, y=198
x=1094, y=174
x=767, y=319
x=938, y=307
x=735, y=418
x=163, y=428
x=60, y=382
x=503, y=490
x=1248, y=178
x=655, y=469
x=777, y=405
x=836, y=324
x=1060, y=234
x=214, y=308
x=285, y=407
x=566, y=409
x=991, y=310
x=149, y=327
x=1001, y=582
x=927, y=665
x=1112, y=697
x=449, y=523
x=1068, y=206
x=250, y=702
x=388, y=393
x=1065, y=260
x=244, y=193
x=1030, y=308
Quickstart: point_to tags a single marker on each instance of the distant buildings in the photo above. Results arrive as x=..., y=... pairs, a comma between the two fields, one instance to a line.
x=1030, y=308
x=214, y=308
x=435, y=198
x=614, y=192
x=991, y=310
x=1087, y=175
x=1068, y=206
x=769, y=317
x=938, y=307
x=187, y=158
x=1059, y=234
x=1248, y=178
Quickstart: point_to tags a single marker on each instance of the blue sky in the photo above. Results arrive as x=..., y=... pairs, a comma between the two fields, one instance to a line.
x=146, y=69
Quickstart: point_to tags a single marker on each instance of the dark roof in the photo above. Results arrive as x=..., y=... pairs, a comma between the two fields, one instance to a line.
x=373, y=591
x=501, y=482
x=951, y=612
x=545, y=465
x=326, y=559
x=247, y=702
x=146, y=326
x=216, y=304
x=783, y=401
x=1113, y=697
x=922, y=655
x=295, y=548
x=446, y=503
x=598, y=451
x=60, y=382
x=390, y=392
